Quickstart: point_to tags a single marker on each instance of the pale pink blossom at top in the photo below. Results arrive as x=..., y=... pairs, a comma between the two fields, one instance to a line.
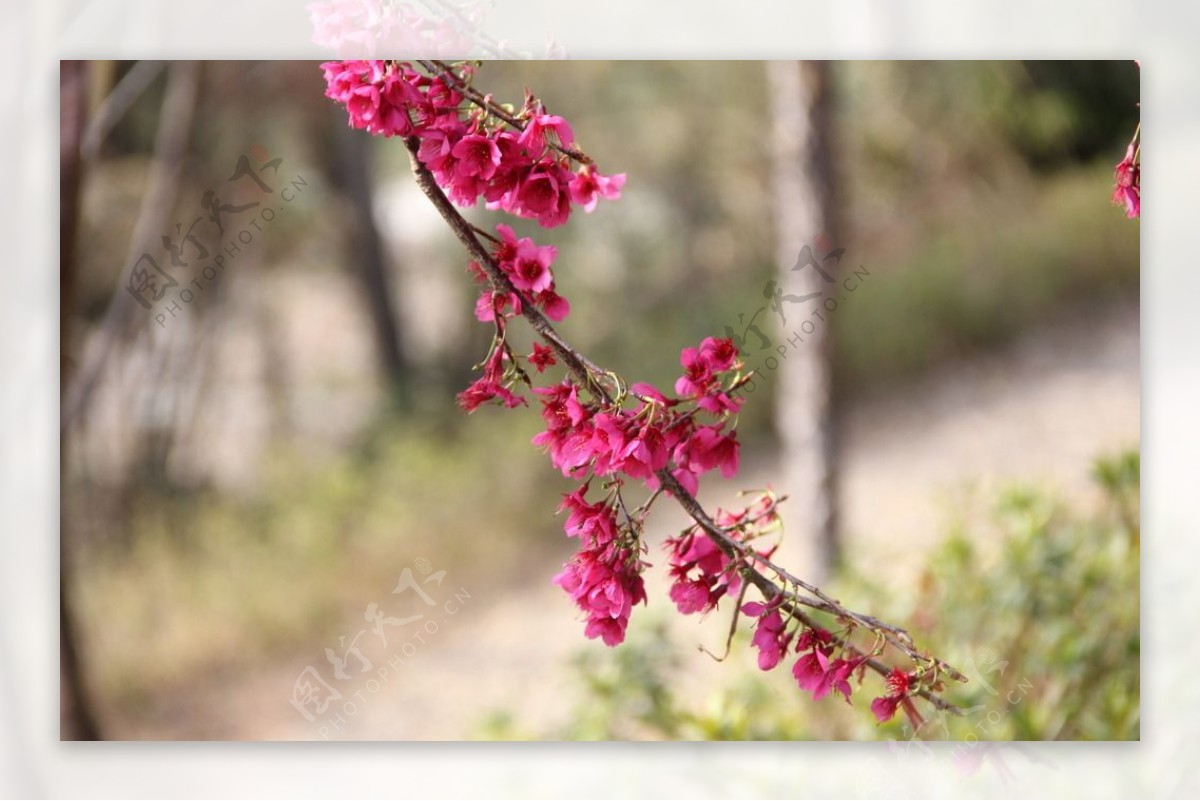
x=350, y=27
x=363, y=28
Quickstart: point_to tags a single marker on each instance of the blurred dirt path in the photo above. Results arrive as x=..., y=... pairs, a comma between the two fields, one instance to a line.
x=1040, y=411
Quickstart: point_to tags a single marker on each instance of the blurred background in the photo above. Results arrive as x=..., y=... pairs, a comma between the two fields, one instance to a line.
x=249, y=475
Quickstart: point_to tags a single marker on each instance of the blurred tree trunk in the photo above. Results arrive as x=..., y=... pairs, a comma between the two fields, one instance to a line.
x=348, y=163
x=805, y=217
x=76, y=720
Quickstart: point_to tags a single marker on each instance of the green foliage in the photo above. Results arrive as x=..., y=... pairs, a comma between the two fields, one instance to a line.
x=1048, y=628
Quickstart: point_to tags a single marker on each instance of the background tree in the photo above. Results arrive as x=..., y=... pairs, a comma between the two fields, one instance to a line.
x=806, y=229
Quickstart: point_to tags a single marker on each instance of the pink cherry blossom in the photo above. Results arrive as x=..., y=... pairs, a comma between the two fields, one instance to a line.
x=809, y=669
x=899, y=684
x=569, y=431
x=606, y=585
x=708, y=448
x=816, y=672
x=554, y=305
x=700, y=572
x=484, y=390
x=534, y=135
x=645, y=453
x=608, y=442
x=594, y=524
x=478, y=157
x=697, y=375
x=770, y=634
x=588, y=186
x=719, y=355
x=538, y=193
x=649, y=392
x=720, y=403
x=489, y=304
x=542, y=357
x=513, y=170
x=526, y=264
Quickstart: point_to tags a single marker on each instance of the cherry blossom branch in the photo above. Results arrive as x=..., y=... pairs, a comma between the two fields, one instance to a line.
x=588, y=374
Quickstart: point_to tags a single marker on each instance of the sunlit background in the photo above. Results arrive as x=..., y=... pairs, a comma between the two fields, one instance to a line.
x=244, y=477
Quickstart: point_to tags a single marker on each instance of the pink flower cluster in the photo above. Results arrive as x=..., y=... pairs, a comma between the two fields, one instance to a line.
x=521, y=169
x=816, y=670
x=604, y=578
x=701, y=572
x=1128, y=189
x=640, y=442
x=527, y=267
x=491, y=385
x=702, y=369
